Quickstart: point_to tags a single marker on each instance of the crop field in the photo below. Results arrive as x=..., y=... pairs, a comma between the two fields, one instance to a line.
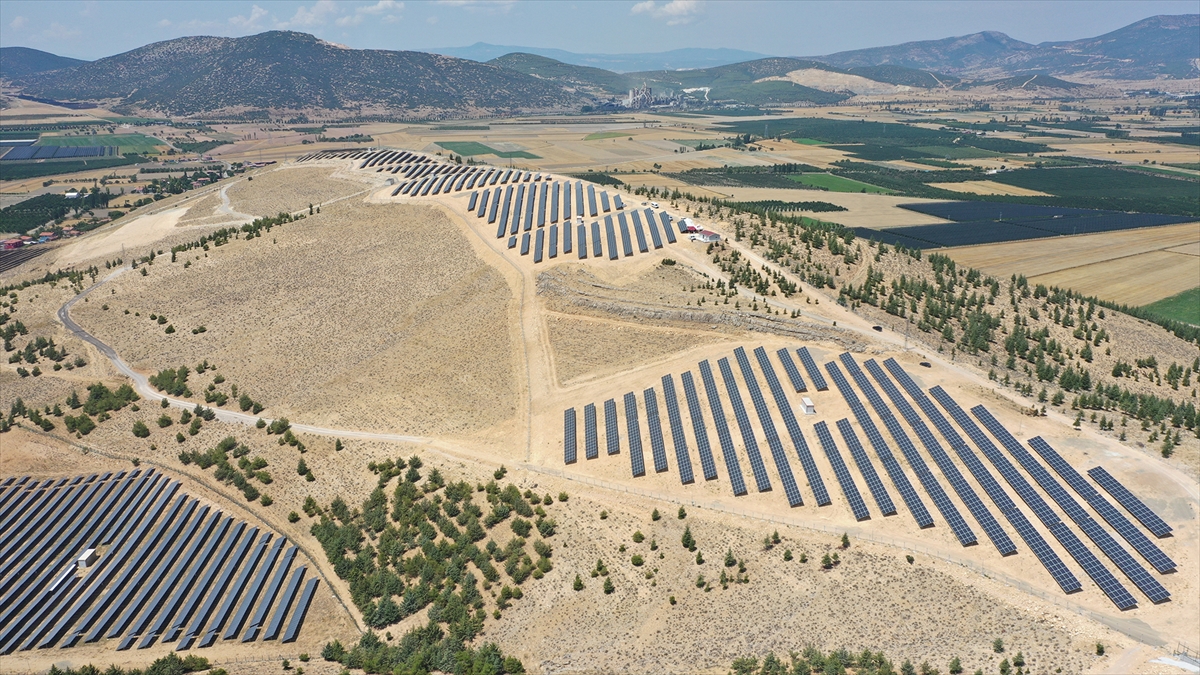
x=808, y=141
x=474, y=148
x=1100, y=182
x=837, y=183
x=981, y=187
x=1183, y=306
x=955, y=152
x=128, y=143
x=601, y=135
x=23, y=170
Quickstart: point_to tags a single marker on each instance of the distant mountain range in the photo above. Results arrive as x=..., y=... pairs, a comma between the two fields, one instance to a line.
x=286, y=72
x=676, y=59
x=1160, y=46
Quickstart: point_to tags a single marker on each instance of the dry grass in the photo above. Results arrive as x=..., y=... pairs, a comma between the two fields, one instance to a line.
x=1136, y=280
x=987, y=187
x=378, y=318
x=288, y=189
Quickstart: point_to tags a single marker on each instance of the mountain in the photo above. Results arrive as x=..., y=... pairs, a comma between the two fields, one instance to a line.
x=691, y=57
x=1160, y=46
x=22, y=61
x=593, y=80
x=288, y=71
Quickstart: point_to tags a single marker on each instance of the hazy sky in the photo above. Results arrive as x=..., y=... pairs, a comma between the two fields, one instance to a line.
x=90, y=29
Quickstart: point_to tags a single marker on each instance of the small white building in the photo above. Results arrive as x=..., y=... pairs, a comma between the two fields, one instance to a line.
x=807, y=406
x=86, y=559
x=705, y=237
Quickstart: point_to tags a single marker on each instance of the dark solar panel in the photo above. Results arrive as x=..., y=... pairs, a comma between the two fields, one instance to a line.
x=597, y=246
x=849, y=489
x=811, y=366
x=554, y=190
x=566, y=235
x=611, y=436
x=714, y=402
x=569, y=451
x=1132, y=504
x=591, y=444
x=895, y=472
x=604, y=201
x=782, y=467
x=592, y=201
x=504, y=210
x=525, y=243
x=707, y=465
x=965, y=492
x=815, y=482
x=1128, y=531
x=636, y=461
x=539, y=244
x=612, y=238
x=579, y=199
x=682, y=458
x=666, y=225
x=541, y=206
x=655, y=237
x=934, y=489
x=658, y=448
x=792, y=371
x=566, y=205
x=743, y=422
x=582, y=232
x=529, y=203
x=882, y=499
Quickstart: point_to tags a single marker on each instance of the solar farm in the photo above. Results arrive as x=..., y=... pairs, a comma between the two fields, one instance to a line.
x=129, y=558
x=969, y=503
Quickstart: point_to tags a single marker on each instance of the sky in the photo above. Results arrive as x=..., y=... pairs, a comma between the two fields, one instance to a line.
x=90, y=29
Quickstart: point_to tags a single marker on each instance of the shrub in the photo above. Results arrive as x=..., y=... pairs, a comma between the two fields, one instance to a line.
x=140, y=429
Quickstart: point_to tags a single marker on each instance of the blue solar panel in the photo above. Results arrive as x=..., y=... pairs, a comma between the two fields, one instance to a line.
x=611, y=436
x=815, y=483
x=597, y=245
x=1132, y=504
x=554, y=190
x=718, y=412
x=592, y=201
x=636, y=461
x=639, y=233
x=782, y=467
x=612, y=238
x=655, y=237
x=743, y=421
x=666, y=224
x=569, y=450
x=707, y=465
x=882, y=499
x=579, y=199
x=950, y=512
x=849, y=489
x=676, y=421
x=553, y=250
x=472, y=200
x=814, y=373
x=529, y=207
x=582, y=232
x=793, y=373
x=966, y=493
x=1110, y=514
x=566, y=233
x=541, y=206
x=538, y=245
x=591, y=445
x=899, y=479
x=626, y=243
x=658, y=449
x=604, y=201
x=1093, y=567
x=504, y=210
x=566, y=208
x=525, y=243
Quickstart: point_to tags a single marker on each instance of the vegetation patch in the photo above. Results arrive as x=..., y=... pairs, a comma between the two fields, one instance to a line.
x=127, y=143
x=473, y=148
x=23, y=170
x=827, y=181
x=1182, y=307
x=601, y=135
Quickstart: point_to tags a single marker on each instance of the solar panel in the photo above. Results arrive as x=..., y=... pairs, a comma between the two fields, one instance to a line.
x=553, y=251
x=657, y=447
x=666, y=224
x=566, y=233
x=636, y=461
x=782, y=467
x=512, y=242
x=269, y=595
x=811, y=366
x=597, y=247
x=1128, y=531
x=592, y=201
x=525, y=243
x=508, y=191
x=582, y=232
x=626, y=242
x=612, y=238
x=538, y=245
x=604, y=201
x=707, y=465
x=471, y=201
x=793, y=373
x=285, y=603
x=293, y=627
x=899, y=479
x=566, y=207
x=541, y=207
x=849, y=489
x=611, y=436
x=252, y=591
x=815, y=482
x=1093, y=567
x=882, y=499
x=569, y=451
x=554, y=190
x=965, y=492
x=950, y=512
x=743, y=421
x=714, y=402
x=682, y=458
x=579, y=199
x=617, y=202
x=591, y=446
x=1132, y=504
x=655, y=237
x=529, y=207
x=638, y=232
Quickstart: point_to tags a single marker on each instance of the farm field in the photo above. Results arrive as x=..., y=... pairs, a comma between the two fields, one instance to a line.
x=473, y=148
x=1132, y=280
x=837, y=183
x=128, y=143
x=988, y=187
x=1184, y=306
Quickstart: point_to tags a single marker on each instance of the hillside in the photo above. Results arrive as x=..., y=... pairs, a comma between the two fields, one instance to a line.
x=281, y=70
x=1153, y=47
x=22, y=61
x=595, y=80
x=687, y=57
x=740, y=82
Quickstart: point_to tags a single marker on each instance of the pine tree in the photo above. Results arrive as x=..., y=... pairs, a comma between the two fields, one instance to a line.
x=578, y=585
x=608, y=586
x=689, y=542
x=730, y=561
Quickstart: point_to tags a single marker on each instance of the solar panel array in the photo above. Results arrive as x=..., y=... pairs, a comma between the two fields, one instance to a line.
x=1132, y=504
x=815, y=482
x=911, y=499
x=782, y=467
x=814, y=373
x=682, y=459
x=849, y=489
x=934, y=489
x=743, y=421
x=658, y=449
x=167, y=562
x=1128, y=531
x=732, y=466
x=59, y=152
x=707, y=464
x=965, y=492
x=611, y=435
x=569, y=451
x=882, y=499
x=793, y=373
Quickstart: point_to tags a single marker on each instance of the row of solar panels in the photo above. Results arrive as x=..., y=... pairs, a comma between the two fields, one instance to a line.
x=544, y=202
x=547, y=238
x=979, y=512
x=58, y=152
x=423, y=180
x=369, y=156
x=172, y=569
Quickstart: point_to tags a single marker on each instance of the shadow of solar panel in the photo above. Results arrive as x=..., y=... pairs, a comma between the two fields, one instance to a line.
x=849, y=489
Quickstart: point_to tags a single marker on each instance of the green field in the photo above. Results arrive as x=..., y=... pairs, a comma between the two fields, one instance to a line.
x=694, y=143
x=808, y=141
x=1182, y=307
x=22, y=170
x=837, y=183
x=955, y=152
x=128, y=143
x=601, y=135
x=1194, y=166
x=473, y=148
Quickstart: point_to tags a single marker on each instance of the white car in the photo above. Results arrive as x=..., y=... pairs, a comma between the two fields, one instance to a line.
x=654, y=205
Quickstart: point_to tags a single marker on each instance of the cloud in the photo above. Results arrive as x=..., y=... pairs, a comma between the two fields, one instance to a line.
x=164, y=23
x=309, y=17
x=489, y=6
x=385, y=10
x=248, y=22
x=675, y=12
x=18, y=22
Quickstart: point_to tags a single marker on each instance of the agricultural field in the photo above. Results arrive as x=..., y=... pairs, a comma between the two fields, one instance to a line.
x=127, y=143
x=1184, y=306
x=824, y=181
x=473, y=148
